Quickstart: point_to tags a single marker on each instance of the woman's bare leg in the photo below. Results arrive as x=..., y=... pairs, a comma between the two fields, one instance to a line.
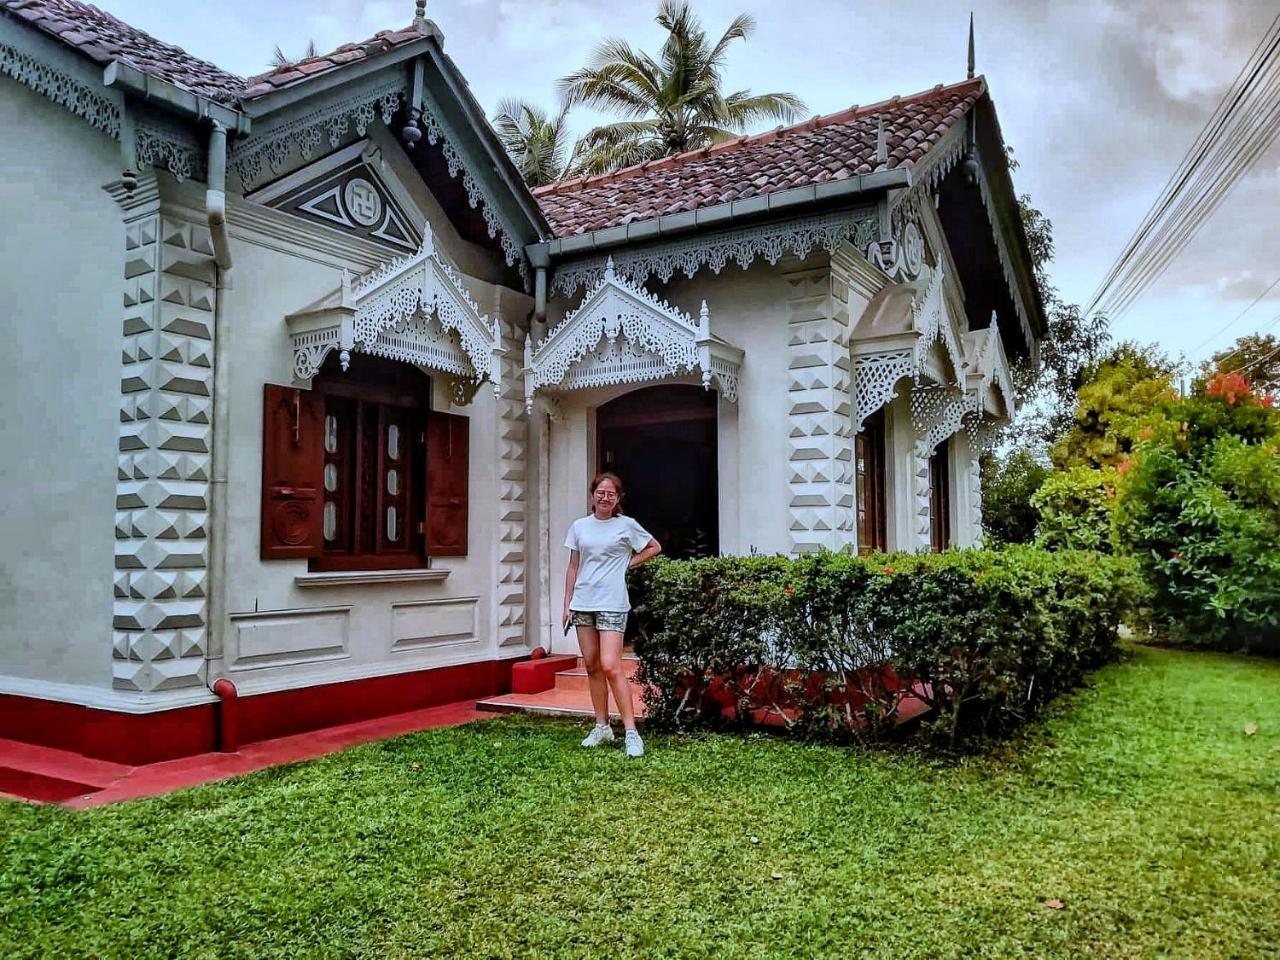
x=589, y=644
x=610, y=652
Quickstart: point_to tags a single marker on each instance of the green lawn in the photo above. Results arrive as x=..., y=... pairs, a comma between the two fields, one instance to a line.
x=1141, y=805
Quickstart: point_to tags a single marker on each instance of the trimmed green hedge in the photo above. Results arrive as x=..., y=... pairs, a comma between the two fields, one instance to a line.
x=833, y=646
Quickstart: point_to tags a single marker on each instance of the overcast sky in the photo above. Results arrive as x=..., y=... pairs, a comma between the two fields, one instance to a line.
x=1099, y=100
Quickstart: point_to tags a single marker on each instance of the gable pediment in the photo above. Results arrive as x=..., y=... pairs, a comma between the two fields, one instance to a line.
x=350, y=190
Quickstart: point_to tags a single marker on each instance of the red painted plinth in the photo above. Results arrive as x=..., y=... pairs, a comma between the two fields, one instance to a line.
x=139, y=739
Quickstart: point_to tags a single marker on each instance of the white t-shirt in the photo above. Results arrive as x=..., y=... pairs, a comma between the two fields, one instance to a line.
x=604, y=550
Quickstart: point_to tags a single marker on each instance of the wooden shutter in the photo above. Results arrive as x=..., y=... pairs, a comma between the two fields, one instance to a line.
x=292, y=464
x=447, y=460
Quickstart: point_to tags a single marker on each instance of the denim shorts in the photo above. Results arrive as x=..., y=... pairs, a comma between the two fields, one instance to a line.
x=600, y=619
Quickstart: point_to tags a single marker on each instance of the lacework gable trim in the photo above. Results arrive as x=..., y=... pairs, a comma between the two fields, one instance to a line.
x=742, y=246
x=478, y=194
x=160, y=144
x=267, y=152
x=407, y=310
x=63, y=89
x=622, y=334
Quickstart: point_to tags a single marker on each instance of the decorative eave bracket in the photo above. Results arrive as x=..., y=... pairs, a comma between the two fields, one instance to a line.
x=405, y=310
x=904, y=347
x=622, y=334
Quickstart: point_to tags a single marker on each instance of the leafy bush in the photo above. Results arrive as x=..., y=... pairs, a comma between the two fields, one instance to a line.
x=1075, y=509
x=834, y=647
x=1008, y=484
x=1200, y=511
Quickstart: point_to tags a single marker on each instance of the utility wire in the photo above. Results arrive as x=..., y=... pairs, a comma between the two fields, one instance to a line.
x=1193, y=158
x=1245, y=123
x=1209, y=189
x=1238, y=317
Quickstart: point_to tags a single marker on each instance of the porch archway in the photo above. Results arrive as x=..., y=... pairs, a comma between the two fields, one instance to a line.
x=662, y=441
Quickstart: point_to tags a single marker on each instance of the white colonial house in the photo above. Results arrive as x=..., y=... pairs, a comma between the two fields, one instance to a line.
x=303, y=386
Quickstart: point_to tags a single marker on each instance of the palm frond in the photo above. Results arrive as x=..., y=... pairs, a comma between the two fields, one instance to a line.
x=671, y=103
x=743, y=109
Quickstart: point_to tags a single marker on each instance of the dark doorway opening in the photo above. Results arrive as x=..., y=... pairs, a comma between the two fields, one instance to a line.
x=662, y=442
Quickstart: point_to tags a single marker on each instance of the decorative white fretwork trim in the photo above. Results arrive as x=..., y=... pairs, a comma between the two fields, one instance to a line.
x=390, y=312
x=875, y=381
x=478, y=193
x=62, y=89
x=879, y=366
x=661, y=342
x=936, y=413
x=932, y=322
x=270, y=149
x=168, y=146
x=929, y=176
x=714, y=250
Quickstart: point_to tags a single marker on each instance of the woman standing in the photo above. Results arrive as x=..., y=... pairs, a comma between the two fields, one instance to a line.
x=605, y=545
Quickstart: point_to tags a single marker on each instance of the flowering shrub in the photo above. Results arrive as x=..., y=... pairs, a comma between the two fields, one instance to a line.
x=1200, y=512
x=835, y=647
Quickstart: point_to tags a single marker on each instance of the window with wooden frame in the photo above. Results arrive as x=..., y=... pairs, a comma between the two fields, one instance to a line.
x=359, y=473
x=870, y=478
x=940, y=498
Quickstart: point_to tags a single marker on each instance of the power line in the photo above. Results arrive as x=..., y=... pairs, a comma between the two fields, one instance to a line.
x=1194, y=157
x=1245, y=123
x=1237, y=318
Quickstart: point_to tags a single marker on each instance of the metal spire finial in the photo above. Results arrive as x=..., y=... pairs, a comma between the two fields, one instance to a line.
x=970, y=44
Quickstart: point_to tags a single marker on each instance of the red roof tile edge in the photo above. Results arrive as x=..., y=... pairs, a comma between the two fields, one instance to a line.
x=979, y=83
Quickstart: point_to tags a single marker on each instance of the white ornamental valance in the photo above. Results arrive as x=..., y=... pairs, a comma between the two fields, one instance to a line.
x=907, y=330
x=622, y=334
x=414, y=309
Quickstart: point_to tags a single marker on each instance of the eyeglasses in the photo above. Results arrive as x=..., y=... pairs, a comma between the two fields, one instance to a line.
x=605, y=495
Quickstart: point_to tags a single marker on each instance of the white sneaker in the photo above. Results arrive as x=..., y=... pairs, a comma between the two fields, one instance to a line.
x=634, y=745
x=598, y=735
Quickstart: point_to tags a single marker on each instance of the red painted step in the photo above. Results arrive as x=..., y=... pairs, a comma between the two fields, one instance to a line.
x=53, y=776
x=569, y=697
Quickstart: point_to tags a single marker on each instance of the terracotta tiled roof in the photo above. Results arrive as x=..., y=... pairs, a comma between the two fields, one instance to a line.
x=103, y=38
x=287, y=76
x=834, y=147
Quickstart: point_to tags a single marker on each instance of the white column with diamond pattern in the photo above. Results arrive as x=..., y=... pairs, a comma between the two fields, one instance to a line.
x=513, y=477
x=820, y=443
x=162, y=487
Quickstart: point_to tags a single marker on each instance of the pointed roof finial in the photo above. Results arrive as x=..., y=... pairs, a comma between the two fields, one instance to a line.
x=882, y=142
x=970, y=44
x=420, y=15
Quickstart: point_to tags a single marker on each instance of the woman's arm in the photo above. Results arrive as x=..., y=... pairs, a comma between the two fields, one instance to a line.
x=651, y=550
x=570, y=579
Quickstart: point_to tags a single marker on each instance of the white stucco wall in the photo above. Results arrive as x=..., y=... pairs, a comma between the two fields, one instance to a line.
x=61, y=265
x=278, y=634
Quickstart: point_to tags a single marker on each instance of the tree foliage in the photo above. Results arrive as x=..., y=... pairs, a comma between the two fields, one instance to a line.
x=1118, y=402
x=1075, y=508
x=537, y=142
x=1008, y=484
x=1073, y=343
x=669, y=103
x=1256, y=355
x=279, y=59
x=1200, y=512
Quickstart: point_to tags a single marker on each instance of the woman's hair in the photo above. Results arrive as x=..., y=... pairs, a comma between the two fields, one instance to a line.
x=617, y=485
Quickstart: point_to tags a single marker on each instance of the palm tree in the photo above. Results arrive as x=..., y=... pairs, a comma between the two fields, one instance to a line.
x=672, y=103
x=537, y=143
x=279, y=60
